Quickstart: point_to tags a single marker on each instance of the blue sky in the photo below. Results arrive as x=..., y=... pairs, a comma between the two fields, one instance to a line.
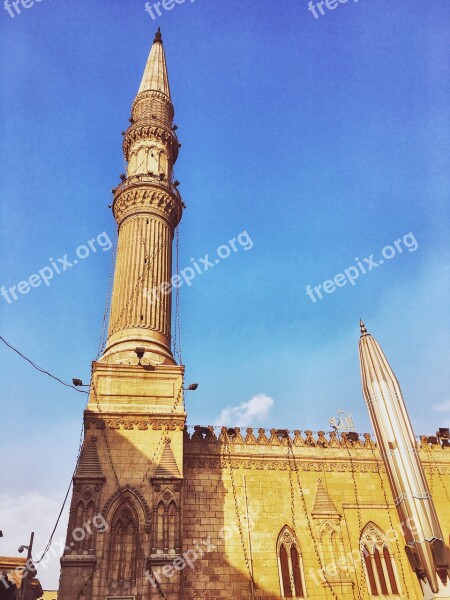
x=324, y=139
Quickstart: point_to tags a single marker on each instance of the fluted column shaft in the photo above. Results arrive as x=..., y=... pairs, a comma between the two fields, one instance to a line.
x=147, y=207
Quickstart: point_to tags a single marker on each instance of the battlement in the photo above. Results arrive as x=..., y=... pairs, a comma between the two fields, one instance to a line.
x=249, y=436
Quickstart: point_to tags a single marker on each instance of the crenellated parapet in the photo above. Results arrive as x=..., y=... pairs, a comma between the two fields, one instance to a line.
x=277, y=437
x=249, y=436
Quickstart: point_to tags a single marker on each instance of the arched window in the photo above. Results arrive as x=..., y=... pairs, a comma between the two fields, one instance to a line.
x=331, y=548
x=88, y=542
x=166, y=537
x=161, y=525
x=132, y=165
x=141, y=160
x=172, y=527
x=82, y=533
x=381, y=572
x=153, y=160
x=122, y=554
x=369, y=572
x=298, y=584
x=390, y=570
x=290, y=565
x=163, y=163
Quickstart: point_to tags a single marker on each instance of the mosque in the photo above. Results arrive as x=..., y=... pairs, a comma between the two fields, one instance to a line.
x=214, y=513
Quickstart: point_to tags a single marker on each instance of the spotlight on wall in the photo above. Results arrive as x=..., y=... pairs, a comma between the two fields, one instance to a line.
x=191, y=388
x=175, y=127
x=140, y=353
x=231, y=432
x=122, y=176
x=176, y=183
x=432, y=439
x=78, y=383
x=353, y=436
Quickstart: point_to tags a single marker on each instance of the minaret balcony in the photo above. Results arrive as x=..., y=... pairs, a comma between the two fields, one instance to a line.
x=147, y=179
x=155, y=192
x=152, y=128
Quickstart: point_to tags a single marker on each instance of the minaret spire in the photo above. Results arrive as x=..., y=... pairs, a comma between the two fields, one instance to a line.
x=425, y=544
x=155, y=76
x=147, y=207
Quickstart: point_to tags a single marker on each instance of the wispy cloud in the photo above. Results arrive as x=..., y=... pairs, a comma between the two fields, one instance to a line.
x=252, y=412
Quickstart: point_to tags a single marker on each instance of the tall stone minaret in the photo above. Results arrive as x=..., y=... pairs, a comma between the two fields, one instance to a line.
x=147, y=207
x=425, y=544
x=127, y=486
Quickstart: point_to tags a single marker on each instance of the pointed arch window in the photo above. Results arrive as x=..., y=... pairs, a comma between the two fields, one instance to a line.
x=122, y=554
x=152, y=166
x=141, y=166
x=163, y=163
x=290, y=565
x=167, y=526
x=81, y=536
x=379, y=562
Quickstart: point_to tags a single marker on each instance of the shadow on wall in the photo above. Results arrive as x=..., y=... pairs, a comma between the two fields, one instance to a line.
x=137, y=529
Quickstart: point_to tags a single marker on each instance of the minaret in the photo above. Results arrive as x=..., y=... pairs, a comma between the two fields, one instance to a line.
x=127, y=492
x=425, y=544
x=147, y=207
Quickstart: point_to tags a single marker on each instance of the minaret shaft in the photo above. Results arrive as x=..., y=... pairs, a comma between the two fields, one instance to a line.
x=397, y=444
x=147, y=207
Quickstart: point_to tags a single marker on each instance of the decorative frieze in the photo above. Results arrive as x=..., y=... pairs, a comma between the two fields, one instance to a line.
x=142, y=197
x=148, y=129
x=130, y=423
x=280, y=464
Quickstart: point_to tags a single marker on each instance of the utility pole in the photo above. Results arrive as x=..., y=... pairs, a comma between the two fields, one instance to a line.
x=26, y=573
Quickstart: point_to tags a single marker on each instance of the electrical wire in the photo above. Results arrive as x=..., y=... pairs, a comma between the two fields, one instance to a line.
x=39, y=368
x=49, y=543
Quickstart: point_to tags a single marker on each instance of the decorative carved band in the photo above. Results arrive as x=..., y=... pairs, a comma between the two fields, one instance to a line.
x=279, y=464
x=148, y=129
x=133, y=423
x=150, y=102
x=147, y=197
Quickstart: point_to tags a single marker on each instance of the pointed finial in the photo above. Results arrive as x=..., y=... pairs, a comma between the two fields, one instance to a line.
x=363, y=327
x=158, y=37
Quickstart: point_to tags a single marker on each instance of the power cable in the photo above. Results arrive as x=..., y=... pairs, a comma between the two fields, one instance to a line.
x=39, y=368
x=49, y=543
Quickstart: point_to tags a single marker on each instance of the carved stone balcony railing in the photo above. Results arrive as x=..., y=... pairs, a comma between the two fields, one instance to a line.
x=147, y=178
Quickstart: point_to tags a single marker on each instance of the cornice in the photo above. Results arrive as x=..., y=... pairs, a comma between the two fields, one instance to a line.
x=133, y=422
x=141, y=197
x=150, y=129
x=270, y=463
